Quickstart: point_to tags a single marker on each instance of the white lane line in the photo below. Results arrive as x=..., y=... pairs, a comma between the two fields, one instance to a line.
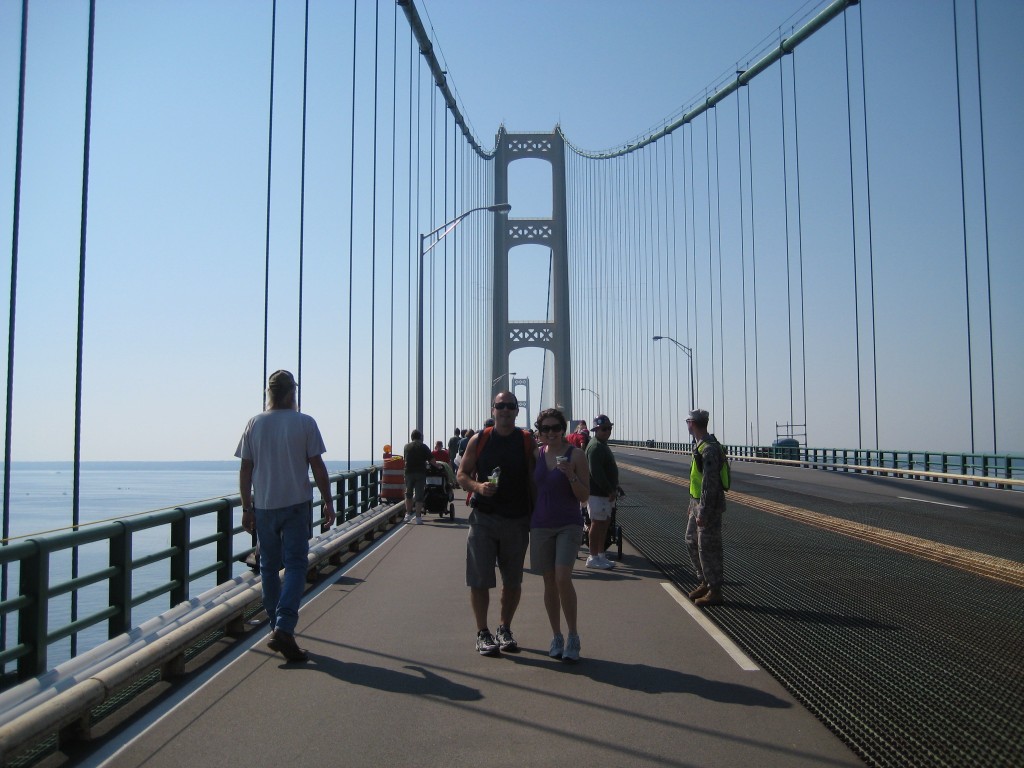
x=773, y=477
x=741, y=659
x=926, y=501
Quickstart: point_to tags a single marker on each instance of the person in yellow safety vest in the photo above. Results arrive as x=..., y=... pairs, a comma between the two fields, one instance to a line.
x=707, y=504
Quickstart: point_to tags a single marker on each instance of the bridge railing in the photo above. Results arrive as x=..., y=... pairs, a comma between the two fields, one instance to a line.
x=985, y=469
x=40, y=579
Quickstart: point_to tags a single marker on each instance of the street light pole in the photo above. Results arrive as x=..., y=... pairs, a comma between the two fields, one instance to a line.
x=587, y=389
x=448, y=226
x=689, y=354
x=510, y=374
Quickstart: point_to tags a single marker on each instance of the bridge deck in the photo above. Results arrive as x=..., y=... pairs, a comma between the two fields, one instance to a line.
x=394, y=679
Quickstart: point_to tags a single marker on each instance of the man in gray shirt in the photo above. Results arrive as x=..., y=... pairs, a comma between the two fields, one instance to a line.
x=277, y=449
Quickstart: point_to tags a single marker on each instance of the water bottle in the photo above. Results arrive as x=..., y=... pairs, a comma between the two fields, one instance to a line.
x=495, y=475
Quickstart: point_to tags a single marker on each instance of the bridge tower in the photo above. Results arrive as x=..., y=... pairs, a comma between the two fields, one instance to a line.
x=551, y=335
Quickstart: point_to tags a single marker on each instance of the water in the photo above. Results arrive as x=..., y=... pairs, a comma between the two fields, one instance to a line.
x=41, y=502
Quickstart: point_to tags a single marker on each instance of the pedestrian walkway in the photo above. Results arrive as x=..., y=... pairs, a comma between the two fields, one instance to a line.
x=394, y=679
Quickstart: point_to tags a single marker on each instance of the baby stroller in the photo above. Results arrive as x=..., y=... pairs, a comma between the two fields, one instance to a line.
x=438, y=496
x=614, y=535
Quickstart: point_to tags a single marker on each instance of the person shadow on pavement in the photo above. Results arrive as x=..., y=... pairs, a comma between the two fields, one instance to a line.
x=647, y=679
x=419, y=682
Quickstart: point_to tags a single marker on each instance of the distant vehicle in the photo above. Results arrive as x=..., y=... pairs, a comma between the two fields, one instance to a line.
x=786, y=448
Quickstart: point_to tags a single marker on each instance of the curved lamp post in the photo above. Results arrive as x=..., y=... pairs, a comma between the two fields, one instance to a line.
x=510, y=374
x=448, y=226
x=689, y=354
x=588, y=389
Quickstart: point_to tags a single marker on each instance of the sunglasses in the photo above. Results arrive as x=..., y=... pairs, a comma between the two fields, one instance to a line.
x=544, y=428
x=505, y=406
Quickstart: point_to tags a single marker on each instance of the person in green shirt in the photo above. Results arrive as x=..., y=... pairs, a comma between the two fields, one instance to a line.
x=604, y=490
x=417, y=455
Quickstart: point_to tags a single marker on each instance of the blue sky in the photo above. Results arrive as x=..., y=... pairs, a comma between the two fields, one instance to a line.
x=177, y=205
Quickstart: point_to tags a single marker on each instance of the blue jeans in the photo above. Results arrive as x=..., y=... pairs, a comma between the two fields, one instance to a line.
x=284, y=540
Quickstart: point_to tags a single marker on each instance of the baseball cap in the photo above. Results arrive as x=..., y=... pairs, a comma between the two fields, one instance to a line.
x=602, y=421
x=281, y=380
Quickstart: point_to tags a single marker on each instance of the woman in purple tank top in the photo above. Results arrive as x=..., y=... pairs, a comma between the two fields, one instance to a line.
x=556, y=528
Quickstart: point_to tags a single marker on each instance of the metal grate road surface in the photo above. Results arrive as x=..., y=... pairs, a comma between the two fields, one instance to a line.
x=908, y=661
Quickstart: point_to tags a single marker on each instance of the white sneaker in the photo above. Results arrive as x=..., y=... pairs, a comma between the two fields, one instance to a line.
x=571, y=653
x=599, y=561
x=557, y=647
x=408, y=519
x=419, y=519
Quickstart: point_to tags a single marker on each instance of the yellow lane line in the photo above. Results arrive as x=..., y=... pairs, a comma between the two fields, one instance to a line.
x=988, y=566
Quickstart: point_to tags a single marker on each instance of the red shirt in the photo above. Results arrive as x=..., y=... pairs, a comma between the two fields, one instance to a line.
x=441, y=455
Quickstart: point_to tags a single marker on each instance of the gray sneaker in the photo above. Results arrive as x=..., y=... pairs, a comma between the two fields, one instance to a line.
x=485, y=643
x=572, y=649
x=557, y=647
x=506, y=641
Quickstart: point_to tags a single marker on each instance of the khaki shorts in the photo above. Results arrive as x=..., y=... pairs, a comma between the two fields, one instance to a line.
x=554, y=546
x=600, y=508
x=496, y=538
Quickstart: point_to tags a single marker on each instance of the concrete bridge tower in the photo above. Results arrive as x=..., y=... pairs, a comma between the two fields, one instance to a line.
x=550, y=335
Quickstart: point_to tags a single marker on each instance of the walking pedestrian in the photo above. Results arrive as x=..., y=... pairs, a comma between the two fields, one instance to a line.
x=277, y=449
x=497, y=469
x=417, y=455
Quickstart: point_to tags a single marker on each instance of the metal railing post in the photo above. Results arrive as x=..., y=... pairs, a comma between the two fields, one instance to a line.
x=180, y=558
x=33, y=619
x=120, y=587
x=225, y=541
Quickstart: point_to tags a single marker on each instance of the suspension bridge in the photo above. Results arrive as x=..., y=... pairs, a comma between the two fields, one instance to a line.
x=820, y=247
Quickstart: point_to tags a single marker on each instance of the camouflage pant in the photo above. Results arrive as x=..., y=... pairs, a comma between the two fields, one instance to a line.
x=705, y=544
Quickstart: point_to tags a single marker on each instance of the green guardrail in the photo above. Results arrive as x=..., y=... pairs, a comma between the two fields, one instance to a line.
x=29, y=609
x=937, y=466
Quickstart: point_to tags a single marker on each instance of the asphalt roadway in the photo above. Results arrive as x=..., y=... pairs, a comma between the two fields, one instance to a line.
x=394, y=679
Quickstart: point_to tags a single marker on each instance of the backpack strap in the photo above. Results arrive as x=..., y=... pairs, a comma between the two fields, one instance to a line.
x=485, y=435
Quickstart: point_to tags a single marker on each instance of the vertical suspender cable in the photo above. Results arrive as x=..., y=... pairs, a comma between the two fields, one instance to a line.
x=743, y=266
x=351, y=231
x=394, y=161
x=673, y=287
x=77, y=487
x=414, y=85
x=692, y=309
x=456, y=266
x=373, y=235
x=721, y=303
x=15, y=233
x=785, y=209
x=711, y=270
x=871, y=249
x=302, y=192
x=428, y=425
x=963, y=219
x=984, y=199
x=853, y=227
x=800, y=250
x=270, y=158
x=756, y=432
x=444, y=285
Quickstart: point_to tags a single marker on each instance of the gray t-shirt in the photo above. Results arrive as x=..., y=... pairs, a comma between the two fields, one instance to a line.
x=280, y=444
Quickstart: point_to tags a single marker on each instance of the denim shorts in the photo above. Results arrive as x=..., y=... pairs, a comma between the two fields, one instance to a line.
x=496, y=538
x=415, y=485
x=554, y=546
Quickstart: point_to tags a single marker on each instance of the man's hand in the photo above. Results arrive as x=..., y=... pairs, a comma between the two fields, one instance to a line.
x=329, y=515
x=486, y=489
x=249, y=520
